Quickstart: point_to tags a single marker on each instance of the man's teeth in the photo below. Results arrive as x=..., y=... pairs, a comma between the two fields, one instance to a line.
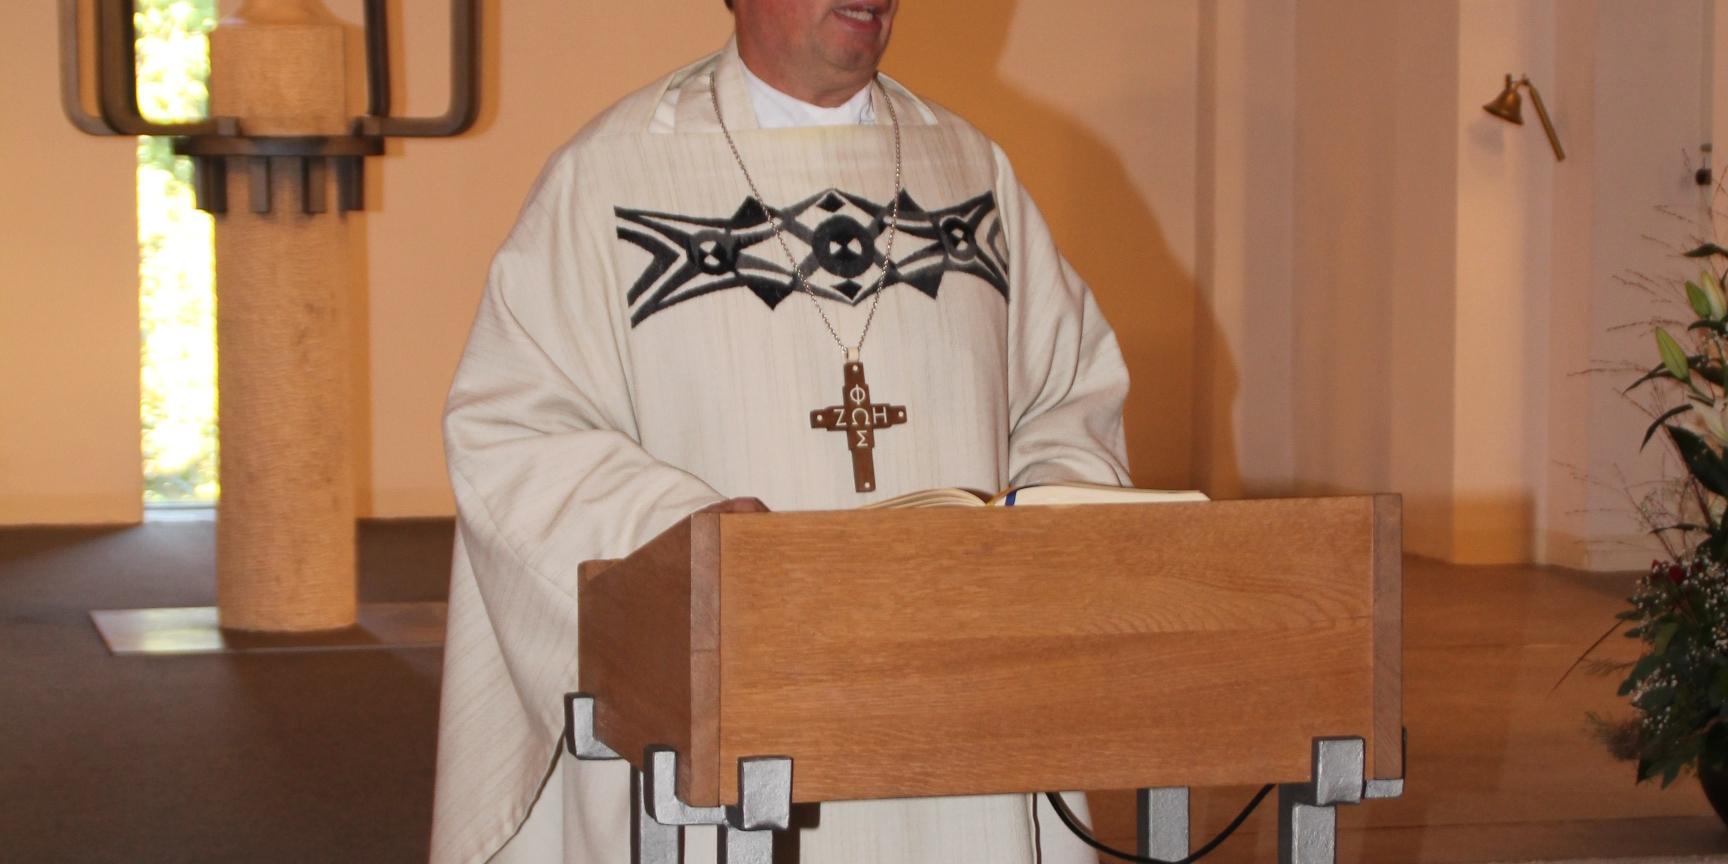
x=863, y=15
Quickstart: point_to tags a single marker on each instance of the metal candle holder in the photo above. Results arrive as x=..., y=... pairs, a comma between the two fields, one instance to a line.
x=285, y=562
x=214, y=141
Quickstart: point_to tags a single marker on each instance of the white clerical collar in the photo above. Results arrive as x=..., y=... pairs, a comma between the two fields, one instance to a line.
x=776, y=110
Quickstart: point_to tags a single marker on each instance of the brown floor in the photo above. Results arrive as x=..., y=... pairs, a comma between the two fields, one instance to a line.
x=219, y=758
x=328, y=757
x=1502, y=765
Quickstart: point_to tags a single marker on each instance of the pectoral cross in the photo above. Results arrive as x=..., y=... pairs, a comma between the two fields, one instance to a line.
x=859, y=418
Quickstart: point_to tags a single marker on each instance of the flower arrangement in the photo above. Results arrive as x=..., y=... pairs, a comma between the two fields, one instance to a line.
x=1679, y=687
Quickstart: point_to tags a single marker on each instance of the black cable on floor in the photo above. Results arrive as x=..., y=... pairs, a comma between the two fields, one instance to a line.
x=1068, y=819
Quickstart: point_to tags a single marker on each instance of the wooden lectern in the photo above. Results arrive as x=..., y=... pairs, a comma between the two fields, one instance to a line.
x=907, y=653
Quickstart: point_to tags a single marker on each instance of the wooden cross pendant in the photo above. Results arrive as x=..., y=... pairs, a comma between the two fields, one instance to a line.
x=859, y=418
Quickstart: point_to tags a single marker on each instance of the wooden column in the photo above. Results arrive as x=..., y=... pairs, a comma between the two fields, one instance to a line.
x=285, y=522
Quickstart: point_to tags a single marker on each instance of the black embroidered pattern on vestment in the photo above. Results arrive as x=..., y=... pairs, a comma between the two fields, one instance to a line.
x=839, y=236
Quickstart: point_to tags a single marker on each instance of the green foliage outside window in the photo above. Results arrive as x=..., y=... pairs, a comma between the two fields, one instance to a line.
x=176, y=261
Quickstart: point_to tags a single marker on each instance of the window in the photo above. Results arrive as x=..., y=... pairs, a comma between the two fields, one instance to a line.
x=176, y=262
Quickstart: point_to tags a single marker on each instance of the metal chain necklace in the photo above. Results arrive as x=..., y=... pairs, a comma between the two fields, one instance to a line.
x=856, y=416
x=780, y=235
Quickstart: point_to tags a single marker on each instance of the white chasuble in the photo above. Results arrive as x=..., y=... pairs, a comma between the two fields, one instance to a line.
x=643, y=350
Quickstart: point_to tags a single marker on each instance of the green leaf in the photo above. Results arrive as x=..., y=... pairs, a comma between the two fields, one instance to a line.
x=1695, y=298
x=1699, y=363
x=1678, y=526
x=1641, y=670
x=1660, y=371
x=1673, y=356
x=1672, y=412
x=1707, y=250
x=1645, y=771
x=1714, y=752
x=1716, y=548
x=1664, y=636
x=1705, y=466
x=1655, y=699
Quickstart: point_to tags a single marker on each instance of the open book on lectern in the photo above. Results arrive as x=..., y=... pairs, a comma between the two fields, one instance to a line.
x=1039, y=494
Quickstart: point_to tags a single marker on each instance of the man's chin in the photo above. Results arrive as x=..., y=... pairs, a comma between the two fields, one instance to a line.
x=857, y=62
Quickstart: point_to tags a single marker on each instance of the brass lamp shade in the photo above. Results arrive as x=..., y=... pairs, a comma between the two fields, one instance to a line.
x=1509, y=106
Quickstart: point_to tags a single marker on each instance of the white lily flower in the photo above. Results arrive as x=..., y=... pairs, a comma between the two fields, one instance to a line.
x=1713, y=294
x=1715, y=421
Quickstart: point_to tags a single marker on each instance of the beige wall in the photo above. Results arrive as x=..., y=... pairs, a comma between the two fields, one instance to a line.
x=1638, y=137
x=1244, y=220
x=1719, y=105
x=69, y=431
x=1344, y=201
x=1566, y=518
x=1423, y=415
x=1505, y=182
x=1095, y=100
x=1445, y=288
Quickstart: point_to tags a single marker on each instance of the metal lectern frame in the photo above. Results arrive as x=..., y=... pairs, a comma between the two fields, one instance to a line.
x=658, y=819
x=1307, y=815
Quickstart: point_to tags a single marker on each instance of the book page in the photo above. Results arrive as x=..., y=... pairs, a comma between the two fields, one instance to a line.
x=1087, y=493
x=949, y=497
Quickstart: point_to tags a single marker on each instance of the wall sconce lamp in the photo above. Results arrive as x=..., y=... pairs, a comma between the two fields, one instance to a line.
x=1509, y=107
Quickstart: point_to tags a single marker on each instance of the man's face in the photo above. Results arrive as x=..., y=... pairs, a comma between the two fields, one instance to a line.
x=820, y=51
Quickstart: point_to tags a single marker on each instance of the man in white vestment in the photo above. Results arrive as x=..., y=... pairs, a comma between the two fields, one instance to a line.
x=682, y=290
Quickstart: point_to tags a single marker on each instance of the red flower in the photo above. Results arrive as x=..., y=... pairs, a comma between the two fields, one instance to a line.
x=1676, y=574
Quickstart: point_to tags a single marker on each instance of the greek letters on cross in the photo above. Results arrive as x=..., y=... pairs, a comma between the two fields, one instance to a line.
x=859, y=418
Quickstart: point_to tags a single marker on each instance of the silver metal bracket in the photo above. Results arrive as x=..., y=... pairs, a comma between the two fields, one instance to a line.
x=579, y=729
x=657, y=821
x=1307, y=814
x=650, y=841
x=1162, y=817
x=744, y=847
x=660, y=765
x=1307, y=818
x=764, y=795
x=745, y=833
x=1339, y=767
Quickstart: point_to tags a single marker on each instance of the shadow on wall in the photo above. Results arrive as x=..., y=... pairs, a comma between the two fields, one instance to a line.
x=951, y=52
